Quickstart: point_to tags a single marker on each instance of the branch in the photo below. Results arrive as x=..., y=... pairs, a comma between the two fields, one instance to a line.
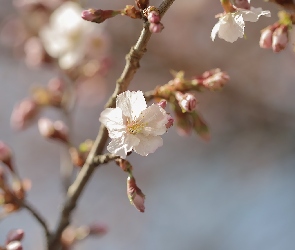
x=75, y=190
x=37, y=216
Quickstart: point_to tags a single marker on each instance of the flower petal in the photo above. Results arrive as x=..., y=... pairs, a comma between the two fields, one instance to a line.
x=253, y=14
x=131, y=103
x=154, y=119
x=113, y=119
x=147, y=144
x=121, y=146
x=231, y=27
x=215, y=30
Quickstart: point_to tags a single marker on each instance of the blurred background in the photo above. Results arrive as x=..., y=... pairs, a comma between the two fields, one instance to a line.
x=234, y=192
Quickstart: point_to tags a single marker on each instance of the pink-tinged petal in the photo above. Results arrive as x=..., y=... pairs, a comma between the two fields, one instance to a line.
x=131, y=103
x=121, y=146
x=154, y=119
x=148, y=144
x=113, y=119
x=215, y=30
x=231, y=27
x=253, y=14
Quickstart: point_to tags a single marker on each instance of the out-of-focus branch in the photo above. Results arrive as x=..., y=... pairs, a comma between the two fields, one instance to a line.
x=75, y=190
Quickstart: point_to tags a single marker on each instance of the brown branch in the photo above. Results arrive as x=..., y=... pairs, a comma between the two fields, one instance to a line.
x=75, y=190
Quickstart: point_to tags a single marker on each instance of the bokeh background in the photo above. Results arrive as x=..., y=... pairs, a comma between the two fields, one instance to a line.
x=234, y=192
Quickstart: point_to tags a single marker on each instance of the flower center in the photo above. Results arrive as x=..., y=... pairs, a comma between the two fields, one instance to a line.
x=134, y=127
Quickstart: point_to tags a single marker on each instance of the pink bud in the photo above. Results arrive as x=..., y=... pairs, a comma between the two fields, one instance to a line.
x=156, y=27
x=23, y=113
x=266, y=38
x=46, y=127
x=62, y=130
x=98, y=229
x=242, y=4
x=98, y=16
x=14, y=245
x=187, y=101
x=280, y=38
x=216, y=80
x=154, y=17
x=5, y=153
x=136, y=197
x=170, y=122
x=15, y=235
x=162, y=104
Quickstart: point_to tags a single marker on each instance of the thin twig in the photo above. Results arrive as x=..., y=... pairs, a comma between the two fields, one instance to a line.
x=37, y=216
x=74, y=192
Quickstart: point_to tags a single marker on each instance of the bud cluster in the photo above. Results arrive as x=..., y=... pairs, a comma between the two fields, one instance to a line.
x=275, y=37
x=153, y=16
x=183, y=103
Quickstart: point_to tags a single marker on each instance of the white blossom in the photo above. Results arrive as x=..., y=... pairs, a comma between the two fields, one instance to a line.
x=231, y=26
x=67, y=35
x=134, y=126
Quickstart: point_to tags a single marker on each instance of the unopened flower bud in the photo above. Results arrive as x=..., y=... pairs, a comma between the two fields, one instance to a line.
x=242, y=4
x=266, y=38
x=23, y=113
x=154, y=17
x=98, y=16
x=162, y=104
x=5, y=154
x=216, y=80
x=156, y=27
x=98, y=229
x=142, y=4
x=187, y=101
x=15, y=235
x=53, y=130
x=280, y=38
x=170, y=122
x=14, y=245
x=135, y=196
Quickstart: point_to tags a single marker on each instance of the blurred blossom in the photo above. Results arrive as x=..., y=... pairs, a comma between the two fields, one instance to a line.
x=28, y=4
x=14, y=245
x=68, y=36
x=34, y=52
x=15, y=235
x=5, y=153
x=23, y=112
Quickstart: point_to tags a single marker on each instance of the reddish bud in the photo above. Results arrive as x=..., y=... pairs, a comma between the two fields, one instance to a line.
x=14, y=245
x=216, y=81
x=98, y=16
x=53, y=130
x=242, y=4
x=156, y=27
x=266, y=38
x=162, y=104
x=23, y=113
x=135, y=196
x=154, y=17
x=98, y=229
x=142, y=4
x=5, y=154
x=280, y=38
x=15, y=235
x=187, y=101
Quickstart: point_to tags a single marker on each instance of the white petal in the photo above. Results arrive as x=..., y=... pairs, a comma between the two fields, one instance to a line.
x=131, y=103
x=231, y=27
x=215, y=30
x=114, y=121
x=253, y=14
x=154, y=118
x=148, y=144
x=121, y=146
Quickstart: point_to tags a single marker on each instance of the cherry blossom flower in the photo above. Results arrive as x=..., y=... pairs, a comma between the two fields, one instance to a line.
x=68, y=37
x=134, y=126
x=231, y=25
